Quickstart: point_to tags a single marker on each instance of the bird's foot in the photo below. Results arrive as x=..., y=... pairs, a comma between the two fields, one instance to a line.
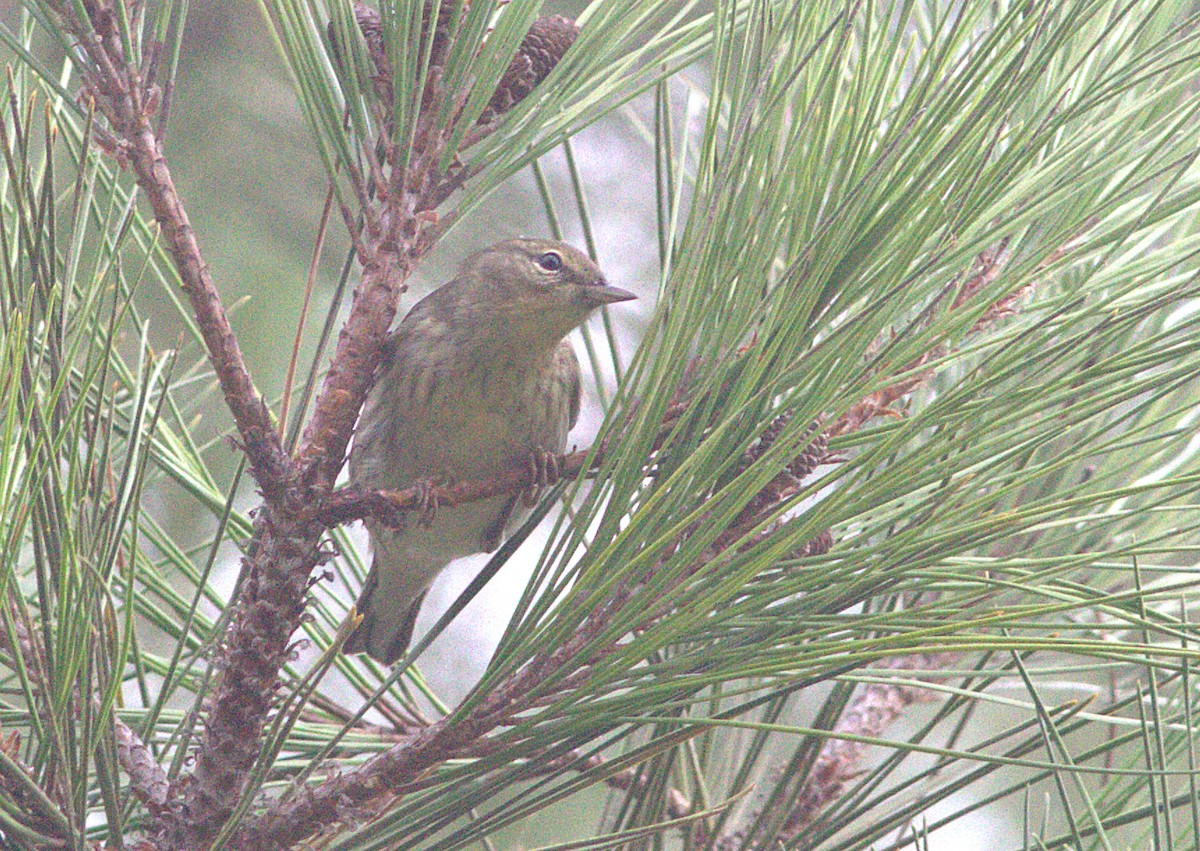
x=543, y=469
x=427, y=501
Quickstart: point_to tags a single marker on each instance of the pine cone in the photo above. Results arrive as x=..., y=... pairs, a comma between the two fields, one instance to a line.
x=802, y=465
x=813, y=455
x=371, y=25
x=767, y=438
x=541, y=49
x=372, y=30
x=817, y=546
x=441, y=33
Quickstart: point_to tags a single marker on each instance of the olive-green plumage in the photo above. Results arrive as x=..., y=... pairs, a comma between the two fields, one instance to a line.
x=476, y=379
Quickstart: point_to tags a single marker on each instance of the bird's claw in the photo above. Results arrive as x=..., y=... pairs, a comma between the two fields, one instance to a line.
x=427, y=501
x=543, y=469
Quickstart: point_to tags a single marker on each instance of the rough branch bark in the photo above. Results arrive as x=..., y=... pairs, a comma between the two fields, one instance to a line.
x=117, y=86
x=348, y=504
x=146, y=777
x=255, y=429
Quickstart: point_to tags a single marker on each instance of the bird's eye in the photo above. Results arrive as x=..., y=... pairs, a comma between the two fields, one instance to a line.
x=551, y=261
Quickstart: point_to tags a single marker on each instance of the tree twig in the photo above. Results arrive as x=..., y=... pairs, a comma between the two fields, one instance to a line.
x=876, y=707
x=121, y=95
x=146, y=777
x=390, y=507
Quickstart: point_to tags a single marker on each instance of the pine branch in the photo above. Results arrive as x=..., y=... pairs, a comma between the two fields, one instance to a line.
x=873, y=710
x=400, y=226
x=988, y=266
x=146, y=777
x=391, y=507
x=122, y=95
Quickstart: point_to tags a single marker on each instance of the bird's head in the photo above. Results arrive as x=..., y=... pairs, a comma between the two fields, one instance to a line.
x=540, y=287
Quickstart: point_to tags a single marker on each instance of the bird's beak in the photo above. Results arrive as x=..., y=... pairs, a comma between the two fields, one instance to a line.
x=603, y=292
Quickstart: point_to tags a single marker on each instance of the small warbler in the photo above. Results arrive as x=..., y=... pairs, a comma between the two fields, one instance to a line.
x=476, y=381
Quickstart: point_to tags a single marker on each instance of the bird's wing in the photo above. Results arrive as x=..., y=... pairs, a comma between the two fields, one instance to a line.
x=553, y=439
x=567, y=369
x=437, y=307
x=414, y=357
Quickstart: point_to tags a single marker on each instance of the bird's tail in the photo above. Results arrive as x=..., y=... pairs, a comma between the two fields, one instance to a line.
x=387, y=625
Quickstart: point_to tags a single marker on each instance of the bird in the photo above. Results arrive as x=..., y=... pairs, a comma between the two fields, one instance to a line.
x=477, y=381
